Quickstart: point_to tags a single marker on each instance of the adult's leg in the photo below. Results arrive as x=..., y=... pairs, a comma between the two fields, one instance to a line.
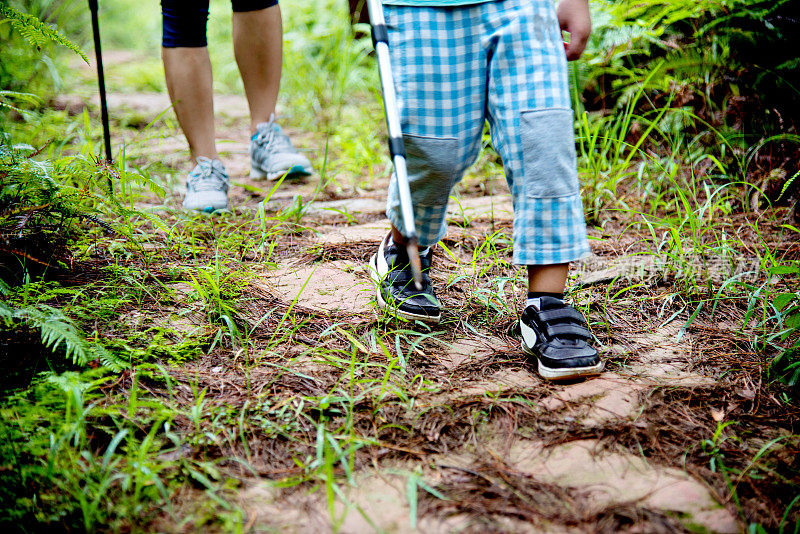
x=188, y=74
x=258, y=47
x=187, y=69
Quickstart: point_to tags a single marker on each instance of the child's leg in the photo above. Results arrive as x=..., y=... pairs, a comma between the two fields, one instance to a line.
x=532, y=129
x=440, y=69
x=440, y=73
x=547, y=278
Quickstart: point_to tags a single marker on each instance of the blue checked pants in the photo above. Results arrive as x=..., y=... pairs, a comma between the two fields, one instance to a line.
x=503, y=62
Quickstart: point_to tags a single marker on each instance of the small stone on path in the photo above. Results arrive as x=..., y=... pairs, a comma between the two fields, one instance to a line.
x=370, y=232
x=363, y=205
x=617, y=478
x=494, y=207
x=463, y=350
x=596, y=270
x=327, y=287
x=598, y=400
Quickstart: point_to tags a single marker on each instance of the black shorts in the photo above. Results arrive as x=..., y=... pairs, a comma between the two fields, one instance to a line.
x=184, y=21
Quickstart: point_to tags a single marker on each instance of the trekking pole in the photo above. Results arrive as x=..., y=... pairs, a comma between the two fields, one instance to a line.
x=380, y=40
x=101, y=81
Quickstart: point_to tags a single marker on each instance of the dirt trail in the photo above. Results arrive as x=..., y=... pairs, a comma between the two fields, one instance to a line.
x=574, y=483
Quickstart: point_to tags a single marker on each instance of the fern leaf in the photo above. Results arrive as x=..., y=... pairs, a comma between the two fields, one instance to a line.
x=37, y=32
x=27, y=98
x=58, y=331
x=107, y=358
x=6, y=314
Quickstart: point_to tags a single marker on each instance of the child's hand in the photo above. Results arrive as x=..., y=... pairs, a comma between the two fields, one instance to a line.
x=573, y=17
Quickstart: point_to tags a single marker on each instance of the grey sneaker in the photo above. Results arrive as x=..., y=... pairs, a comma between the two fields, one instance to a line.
x=207, y=186
x=272, y=154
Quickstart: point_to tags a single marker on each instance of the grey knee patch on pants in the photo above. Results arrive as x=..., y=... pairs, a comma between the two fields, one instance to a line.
x=548, y=145
x=433, y=168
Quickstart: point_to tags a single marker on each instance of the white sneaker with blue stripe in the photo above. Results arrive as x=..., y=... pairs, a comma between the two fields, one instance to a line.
x=272, y=154
x=207, y=186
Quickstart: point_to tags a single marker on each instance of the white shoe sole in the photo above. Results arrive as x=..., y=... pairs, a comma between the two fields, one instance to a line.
x=208, y=210
x=205, y=205
x=293, y=172
x=376, y=278
x=549, y=373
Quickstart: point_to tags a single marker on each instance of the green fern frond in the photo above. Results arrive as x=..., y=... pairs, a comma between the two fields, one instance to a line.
x=37, y=32
x=6, y=313
x=789, y=66
x=107, y=358
x=785, y=187
x=27, y=98
x=143, y=180
x=58, y=331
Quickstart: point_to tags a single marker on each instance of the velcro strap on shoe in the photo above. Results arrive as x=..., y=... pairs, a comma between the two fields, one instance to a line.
x=404, y=280
x=399, y=276
x=568, y=330
x=562, y=314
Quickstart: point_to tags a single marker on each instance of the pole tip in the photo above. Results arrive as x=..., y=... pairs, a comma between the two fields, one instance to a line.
x=416, y=263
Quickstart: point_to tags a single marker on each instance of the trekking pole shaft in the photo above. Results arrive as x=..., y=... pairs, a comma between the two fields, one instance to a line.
x=396, y=145
x=380, y=40
x=406, y=207
x=94, y=8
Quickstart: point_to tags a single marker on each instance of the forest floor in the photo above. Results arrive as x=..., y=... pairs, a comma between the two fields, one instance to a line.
x=315, y=411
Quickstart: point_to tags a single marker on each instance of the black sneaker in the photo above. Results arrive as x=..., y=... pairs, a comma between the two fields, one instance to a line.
x=557, y=335
x=391, y=271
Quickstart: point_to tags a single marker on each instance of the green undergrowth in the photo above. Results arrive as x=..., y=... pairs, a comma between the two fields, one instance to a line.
x=90, y=461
